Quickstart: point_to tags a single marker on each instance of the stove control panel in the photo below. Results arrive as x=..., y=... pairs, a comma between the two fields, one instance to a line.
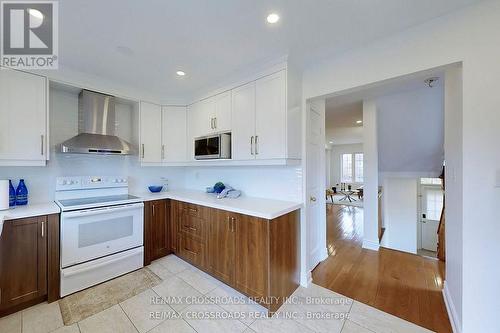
x=90, y=182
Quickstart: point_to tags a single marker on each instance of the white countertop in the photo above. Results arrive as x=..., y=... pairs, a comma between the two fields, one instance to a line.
x=30, y=210
x=258, y=207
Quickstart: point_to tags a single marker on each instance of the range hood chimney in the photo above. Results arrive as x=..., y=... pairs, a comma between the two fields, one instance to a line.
x=96, y=127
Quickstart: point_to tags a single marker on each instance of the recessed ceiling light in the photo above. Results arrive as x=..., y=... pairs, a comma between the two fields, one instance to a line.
x=331, y=142
x=180, y=73
x=35, y=13
x=359, y=121
x=273, y=18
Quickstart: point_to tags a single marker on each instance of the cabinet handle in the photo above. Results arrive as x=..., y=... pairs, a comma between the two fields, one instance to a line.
x=189, y=251
x=153, y=207
x=142, y=146
x=41, y=144
x=194, y=210
x=215, y=123
x=190, y=227
x=251, y=145
x=162, y=152
x=43, y=229
x=212, y=123
x=256, y=145
x=233, y=224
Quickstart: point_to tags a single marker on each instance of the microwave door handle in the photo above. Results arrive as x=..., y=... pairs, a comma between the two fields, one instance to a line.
x=97, y=211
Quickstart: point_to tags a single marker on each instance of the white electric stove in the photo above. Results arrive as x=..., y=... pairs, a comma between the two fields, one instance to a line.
x=101, y=230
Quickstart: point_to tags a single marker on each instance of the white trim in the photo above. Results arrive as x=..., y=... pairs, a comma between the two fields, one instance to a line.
x=371, y=245
x=450, y=308
x=305, y=279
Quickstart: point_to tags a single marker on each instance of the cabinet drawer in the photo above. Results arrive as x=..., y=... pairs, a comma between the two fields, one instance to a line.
x=194, y=210
x=192, y=250
x=193, y=226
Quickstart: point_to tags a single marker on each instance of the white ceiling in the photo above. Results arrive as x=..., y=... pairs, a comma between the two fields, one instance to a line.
x=340, y=122
x=142, y=43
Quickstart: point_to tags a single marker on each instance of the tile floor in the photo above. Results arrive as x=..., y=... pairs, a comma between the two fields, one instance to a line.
x=189, y=300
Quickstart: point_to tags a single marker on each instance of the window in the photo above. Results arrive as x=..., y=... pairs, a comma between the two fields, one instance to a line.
x=358, y=166
x=352, y=168
x=346, y=168
x=431, y=181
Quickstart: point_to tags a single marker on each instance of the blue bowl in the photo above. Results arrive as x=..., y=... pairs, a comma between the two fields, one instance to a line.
x=155, y=189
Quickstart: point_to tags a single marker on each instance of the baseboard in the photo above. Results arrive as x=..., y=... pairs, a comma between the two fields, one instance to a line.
x=370, y=245
x=450, y=308
x=305, y=279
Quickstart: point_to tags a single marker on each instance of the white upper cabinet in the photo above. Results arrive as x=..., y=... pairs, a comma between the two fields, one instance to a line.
x=150, y=133
x=23, y=118
x=222, y=115
x=174, y=145
x=271, y=117
x=243, y=115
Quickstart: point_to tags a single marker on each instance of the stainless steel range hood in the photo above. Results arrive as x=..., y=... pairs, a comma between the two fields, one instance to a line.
x=96, y=127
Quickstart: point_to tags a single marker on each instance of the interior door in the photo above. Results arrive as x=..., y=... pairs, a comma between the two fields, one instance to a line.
x=315, y=184
x=432, y=206
x=150, y=132
x=243, y=122
x=270, y=116
x=174, y=136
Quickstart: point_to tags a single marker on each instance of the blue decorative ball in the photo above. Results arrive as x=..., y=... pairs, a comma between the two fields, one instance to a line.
x=219, y=187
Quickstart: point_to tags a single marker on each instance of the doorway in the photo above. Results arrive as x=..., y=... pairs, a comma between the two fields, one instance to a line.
x=431, y=208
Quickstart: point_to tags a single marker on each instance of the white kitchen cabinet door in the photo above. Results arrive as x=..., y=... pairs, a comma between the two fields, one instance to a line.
x=23, y=118
x=243, y=122
x=150, y=133
x=174, y=137
x=270, y=116
x=222, y=116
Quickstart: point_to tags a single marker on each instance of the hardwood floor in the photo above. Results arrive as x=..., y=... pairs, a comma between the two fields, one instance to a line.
x=405, y=285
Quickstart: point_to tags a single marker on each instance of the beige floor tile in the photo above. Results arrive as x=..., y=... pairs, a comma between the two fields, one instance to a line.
x=199, y=280
x=140, y=307
x=381, y=322
x=160, y=270
x=274, y=325
x=317, y=308
x=173, y=264
x=111, y=320
x=237, y=303
x=174, y=325
x=11, y=323
x=210, y=318
x=350, y=327
x=42, y=318
x=178, y=294
x=68, y=329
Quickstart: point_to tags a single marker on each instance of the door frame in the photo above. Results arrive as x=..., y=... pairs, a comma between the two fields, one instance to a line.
x=420, y=209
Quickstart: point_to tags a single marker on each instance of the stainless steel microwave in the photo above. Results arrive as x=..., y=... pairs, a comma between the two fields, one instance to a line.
x=213, y=147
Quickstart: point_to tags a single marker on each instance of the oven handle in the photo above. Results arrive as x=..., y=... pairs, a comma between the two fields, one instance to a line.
x=93, y=267
x=96, y=211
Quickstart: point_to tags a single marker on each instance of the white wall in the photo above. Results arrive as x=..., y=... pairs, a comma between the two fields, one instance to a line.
x=272, y=182
x=469, y=36
x=370, y=173
x=411, y=130
x=454, y=184
x=335, y=164
x=400, y=213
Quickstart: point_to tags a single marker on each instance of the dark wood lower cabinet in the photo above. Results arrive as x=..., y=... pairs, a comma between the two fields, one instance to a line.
x=29, y=274
x=156, y=230
x=257, y=257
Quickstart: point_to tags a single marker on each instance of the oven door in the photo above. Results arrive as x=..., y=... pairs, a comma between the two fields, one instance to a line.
x=207, y=148
x=93, y=233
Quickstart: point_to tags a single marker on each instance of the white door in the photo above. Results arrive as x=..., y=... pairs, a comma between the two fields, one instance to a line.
x=222, y=118
x=270, y=116
x=174, y=136
x=243, y=122
x=315, y=184
x=432, y=206
x=23, y=116
x=150, y=133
